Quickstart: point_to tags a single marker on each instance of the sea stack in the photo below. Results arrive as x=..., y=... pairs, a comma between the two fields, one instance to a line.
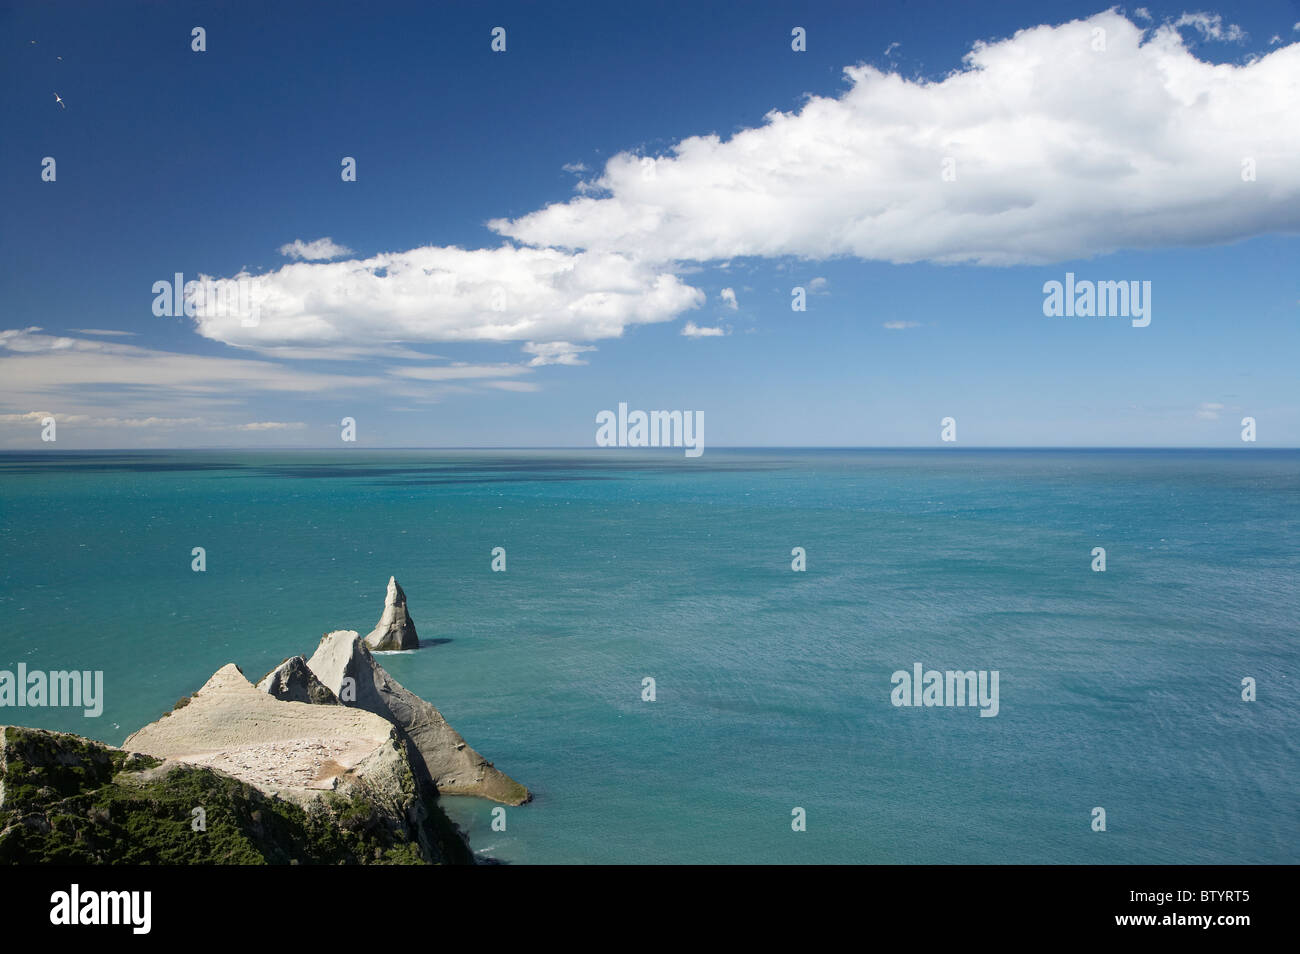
x=396, y=629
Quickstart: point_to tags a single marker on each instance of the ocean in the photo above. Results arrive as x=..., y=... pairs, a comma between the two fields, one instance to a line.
x=1119, y=690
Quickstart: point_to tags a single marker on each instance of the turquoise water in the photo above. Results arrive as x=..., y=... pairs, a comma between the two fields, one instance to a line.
x=1119, y=689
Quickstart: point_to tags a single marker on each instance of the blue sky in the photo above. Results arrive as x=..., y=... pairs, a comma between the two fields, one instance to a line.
x=925, y=294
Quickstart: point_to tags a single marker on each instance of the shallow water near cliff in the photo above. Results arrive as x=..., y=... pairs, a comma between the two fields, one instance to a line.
x=1119, y=689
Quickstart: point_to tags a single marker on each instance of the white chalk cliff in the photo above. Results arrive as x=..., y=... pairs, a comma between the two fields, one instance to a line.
x=284, y=748
x=301, y=752
x=453, y=767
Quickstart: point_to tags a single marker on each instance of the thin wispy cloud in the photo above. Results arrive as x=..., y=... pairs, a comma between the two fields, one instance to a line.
x=93, y=421
x=692, y=330
x=1211, y=27
x=86, y=421
x=271, y=426
x=556, y=352
x=460, y=372
x=320, y=249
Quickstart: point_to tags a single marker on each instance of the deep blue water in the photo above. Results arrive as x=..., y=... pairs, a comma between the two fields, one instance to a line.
x=1119, y=689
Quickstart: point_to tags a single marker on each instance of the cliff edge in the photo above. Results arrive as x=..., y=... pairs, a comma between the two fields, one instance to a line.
x=343, y=659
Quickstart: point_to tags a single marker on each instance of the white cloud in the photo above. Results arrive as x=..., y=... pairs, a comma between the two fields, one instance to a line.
x=819, y=286
x=555, y=352
x=728, y=297
x=576, y=168
x=900, y=325
x=270, y=426
x=1209, y=411
x=87, y=429
x=459, y=371
x=32, y=340
x=436, y=294
x=34, y=363
x=91, y=421
x=692, y=330
x=1061, y=152
x=321, y=248
x=892, y=47
x=108, y=384
x=1142, y=13
x=82, y=378
x=1210, y=27
x=104, y=332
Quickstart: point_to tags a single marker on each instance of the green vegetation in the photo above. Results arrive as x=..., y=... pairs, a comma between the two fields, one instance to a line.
x=67, y=800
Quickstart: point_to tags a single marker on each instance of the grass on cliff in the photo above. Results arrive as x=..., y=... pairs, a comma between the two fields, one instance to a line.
x=67, y=800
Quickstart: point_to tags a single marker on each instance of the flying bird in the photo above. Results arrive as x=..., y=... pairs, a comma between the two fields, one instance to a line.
x=59, y=99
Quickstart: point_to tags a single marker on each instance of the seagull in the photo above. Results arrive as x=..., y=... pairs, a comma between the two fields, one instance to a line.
x=58, y=99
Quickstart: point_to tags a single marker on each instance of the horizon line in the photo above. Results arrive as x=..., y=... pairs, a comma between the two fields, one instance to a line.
x=616, y=450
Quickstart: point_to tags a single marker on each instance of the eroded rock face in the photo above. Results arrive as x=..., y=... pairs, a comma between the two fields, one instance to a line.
x=297, y=751
x=293, y=681
x=345, y=665
x=395, y=629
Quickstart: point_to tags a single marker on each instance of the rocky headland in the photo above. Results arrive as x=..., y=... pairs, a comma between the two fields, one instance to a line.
x=325, y=760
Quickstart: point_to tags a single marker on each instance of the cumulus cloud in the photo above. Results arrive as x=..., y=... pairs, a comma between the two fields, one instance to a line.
x=322, y=248
x=728, y=297
x=1060, y=150
x=692, y=330
x=448, y=294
